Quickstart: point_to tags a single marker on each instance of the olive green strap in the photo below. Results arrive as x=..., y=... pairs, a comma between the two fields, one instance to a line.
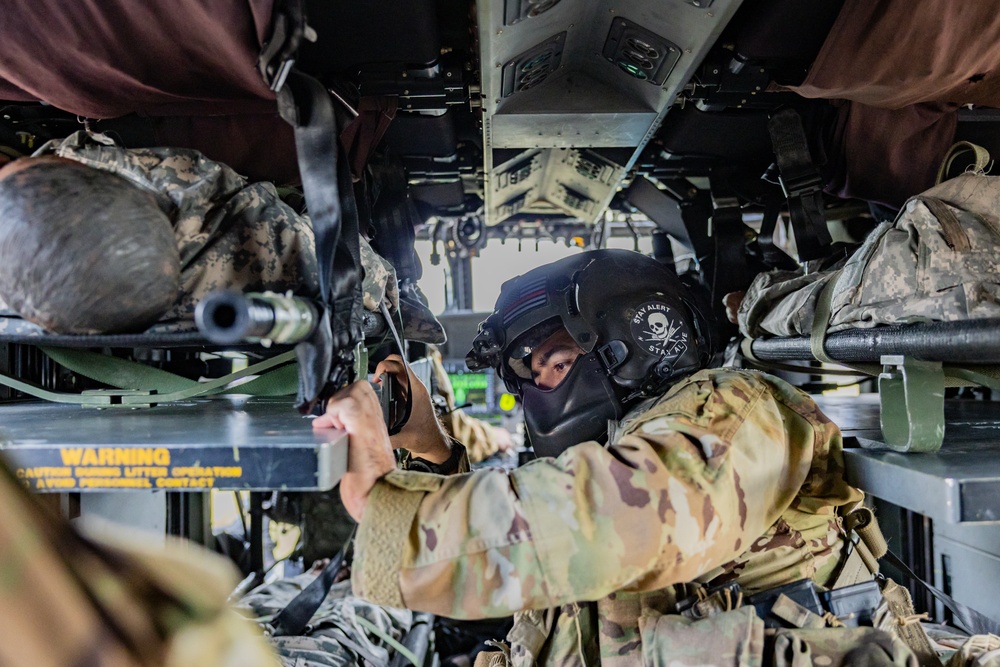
x=53, y=396
x=388, y=639
x=143, y=380
x=126, y=374
x=981, y=159
x=117, y=372
x=951, y=227
x=821, y=319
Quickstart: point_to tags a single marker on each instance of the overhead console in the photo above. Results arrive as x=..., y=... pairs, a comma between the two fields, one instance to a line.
x=573, y=91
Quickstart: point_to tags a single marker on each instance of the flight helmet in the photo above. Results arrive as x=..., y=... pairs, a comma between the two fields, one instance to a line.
x=639, y=329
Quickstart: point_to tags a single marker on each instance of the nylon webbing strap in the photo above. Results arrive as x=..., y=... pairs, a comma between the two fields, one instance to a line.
x=295, y=616
x=126, y=374
x=117, y=375
x=116, y=372
x=802, y=184
x=388, y=639
x=821, y=319
x=394, y=217
x=326, y=182
x=906, y=624
x=966, y=617
x=862, y=521
x=980, y=376
x=980, y=159
x=53, y=396
x=281, y=381
x=953, y=232
x=773, y=255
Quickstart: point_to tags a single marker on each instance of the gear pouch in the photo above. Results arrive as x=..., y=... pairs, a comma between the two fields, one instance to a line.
x=732, y=638
x=834, y=647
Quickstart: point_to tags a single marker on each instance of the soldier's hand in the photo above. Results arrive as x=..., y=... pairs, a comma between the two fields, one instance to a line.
x=732, y=302
x=502, y=437
x=357, y=410
x=422, y=435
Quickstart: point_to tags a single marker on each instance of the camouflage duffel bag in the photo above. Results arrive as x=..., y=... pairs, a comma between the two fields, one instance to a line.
x=936, y=263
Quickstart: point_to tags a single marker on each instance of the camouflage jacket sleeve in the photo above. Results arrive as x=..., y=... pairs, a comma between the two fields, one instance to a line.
x=115, y=598
x=687, y=487
x=475, y=434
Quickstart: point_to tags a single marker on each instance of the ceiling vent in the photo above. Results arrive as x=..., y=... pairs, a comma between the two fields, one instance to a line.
x=640, y=53
x=592, y=167
x=575, y=199
x=517, y=174
x=533, y=66
x=511, y=206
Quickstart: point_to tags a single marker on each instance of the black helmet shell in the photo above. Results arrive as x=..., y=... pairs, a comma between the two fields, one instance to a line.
x=628, y=308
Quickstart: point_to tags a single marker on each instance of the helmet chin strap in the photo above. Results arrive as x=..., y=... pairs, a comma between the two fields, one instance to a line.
x=660, y=377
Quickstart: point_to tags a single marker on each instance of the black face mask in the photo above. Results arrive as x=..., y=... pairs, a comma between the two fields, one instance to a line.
x=576, y=411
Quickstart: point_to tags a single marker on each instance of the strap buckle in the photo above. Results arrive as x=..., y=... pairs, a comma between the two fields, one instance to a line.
x=277, y=57
x=801, y=185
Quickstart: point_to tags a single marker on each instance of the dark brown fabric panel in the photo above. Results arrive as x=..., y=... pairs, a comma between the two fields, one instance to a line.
x=260, y=147
x=889, y=155
x=108, y=58
x=894, y=53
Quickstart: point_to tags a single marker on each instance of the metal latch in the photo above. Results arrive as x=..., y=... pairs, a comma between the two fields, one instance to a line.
x=912, y=401
x=120, y=398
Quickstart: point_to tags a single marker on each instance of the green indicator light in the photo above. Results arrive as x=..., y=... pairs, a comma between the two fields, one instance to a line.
x=633, y=70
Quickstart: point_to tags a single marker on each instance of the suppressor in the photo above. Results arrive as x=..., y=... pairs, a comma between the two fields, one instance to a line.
x=228, y=317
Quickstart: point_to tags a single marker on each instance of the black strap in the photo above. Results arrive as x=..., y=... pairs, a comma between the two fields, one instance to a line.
x=802, y=184
x=447, y=467
x=772, y=255
x=296, y=615
x=408, y=407
x=325, y=360
x=965, y=617
x=394, y=218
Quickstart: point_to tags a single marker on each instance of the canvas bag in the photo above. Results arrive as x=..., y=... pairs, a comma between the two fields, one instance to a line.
x=938, y=261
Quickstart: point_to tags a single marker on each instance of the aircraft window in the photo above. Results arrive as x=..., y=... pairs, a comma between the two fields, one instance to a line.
x=497, y=263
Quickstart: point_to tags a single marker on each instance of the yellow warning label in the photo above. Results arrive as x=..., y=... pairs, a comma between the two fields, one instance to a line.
x=122, y=468
x=115, y=456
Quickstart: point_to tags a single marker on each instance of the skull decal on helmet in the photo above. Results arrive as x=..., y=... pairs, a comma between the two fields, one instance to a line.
x=659, y=330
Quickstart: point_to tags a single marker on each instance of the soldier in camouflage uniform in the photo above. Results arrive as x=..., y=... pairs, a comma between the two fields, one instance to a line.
x=193, y=226
x=481, y=439
x=73, y=600
x=704, y=477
